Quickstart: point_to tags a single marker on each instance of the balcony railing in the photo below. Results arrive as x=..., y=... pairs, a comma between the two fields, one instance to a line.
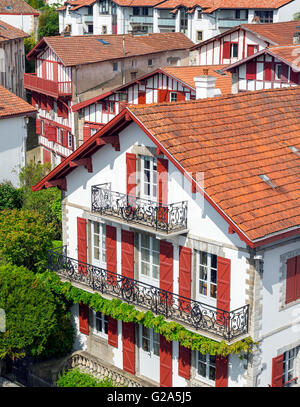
x=131, y=209
x=231, y=22
x=141, y=19
x=51, y=88
x=170, y=22
x=201, y=317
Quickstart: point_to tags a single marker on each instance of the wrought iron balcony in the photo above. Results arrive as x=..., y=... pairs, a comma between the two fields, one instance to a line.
x=166, y=219
x=201, y=317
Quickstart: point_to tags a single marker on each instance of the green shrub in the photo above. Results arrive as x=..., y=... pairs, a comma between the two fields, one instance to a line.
x=10, y=197
x=76, y=378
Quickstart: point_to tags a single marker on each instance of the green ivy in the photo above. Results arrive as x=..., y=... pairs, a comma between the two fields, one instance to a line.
x=76, y=378
x=172, y=331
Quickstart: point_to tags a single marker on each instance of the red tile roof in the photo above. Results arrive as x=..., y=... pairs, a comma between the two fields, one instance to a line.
x=232, y=140
x=76, y=4
x=246, y=4
x=8, y=32
x=86, y=49
x=16, y=7
x=12, y=105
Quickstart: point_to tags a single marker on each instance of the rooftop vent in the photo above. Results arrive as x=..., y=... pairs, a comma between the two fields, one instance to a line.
x=296, y=37
x=104, y=42
x=267, y=180
x=295, y=150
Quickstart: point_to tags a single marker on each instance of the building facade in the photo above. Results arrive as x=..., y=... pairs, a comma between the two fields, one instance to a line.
x=21, y=15
x=223, y=262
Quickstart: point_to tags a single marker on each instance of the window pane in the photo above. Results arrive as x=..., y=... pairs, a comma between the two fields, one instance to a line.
x=202, y=369
x=96, y=227
x=213, y=276
x=96, y=253
x=203, y=273
x=145, y=269
x=203, y=258
x=145, y=255
x=155, y=272
x=145, y=241
x=214, y=261
x=202, y=288
x=212, y=373
x=96, y=240
x=213, y=291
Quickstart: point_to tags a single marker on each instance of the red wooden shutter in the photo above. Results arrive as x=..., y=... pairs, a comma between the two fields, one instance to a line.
x=297, y=277
x=180, y=96
x=163, y=95
x=250, y=50
x=84, y=318
x=221, y=371
x=184, y=362
x=294, y=77
x=86, y=133
x=185, y=257
x=38, y=126
x=131, y=173
x=142, y=97
x=127, y=254
x=111, y=253
x=81, y=244
x=290, y=294
x=226, y=50
x=165, y=362
x=277, y=371
x=55, y=71
x=267, y=71
x=162, y=171
x=284, y=77
x=166, y=270
x=251, y=70
x=46, y=156
x=223, y=290
x=128, y=336
x=112, y=332
x=51, y=133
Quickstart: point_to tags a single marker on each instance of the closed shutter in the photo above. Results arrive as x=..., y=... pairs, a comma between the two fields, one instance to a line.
x=185, y=280
x=127, y=254
x=111, y=254
x=223, y=290
x=46, y=156
x=165, y=362
x=83, y=318
x=86, y=133
x=277, y=371
x=221, y=371
x=128, y=336
x=162, y=171
x=297, y=277
x=290, y=280
x=131, y=174
x=294, y=77
x=81, y=245
x=55, y=72
x=180, y=96
x=163, y=95
x=267, y=71
x=166, y=271
x=226, y=50
x=142, y=97
x=251, y=70
x=112, y=332
x=250, y=50
x=38, y=126
x=51, y=133
x=184, y=362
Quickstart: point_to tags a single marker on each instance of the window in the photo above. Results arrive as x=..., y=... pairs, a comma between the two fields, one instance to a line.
x=70, y=139
x=206, y=367
x=108, y=106
x=289, y=364
x=136, y=11
x=207, y=274
x=149, y=256
x=265, y=16
x=199, y=14
x=145, y=11
x=292, y=279
x=183, y=20
x=150, y=62
x=133, y=63
x=58, y=135
x=133, y=76
x=104, y=29
x=90, y=11
x=99, y=243
x=237, y=14
x=149, y=177
x=148, y=335
x=278, y=69
x=93, y=131
x=90, y=28
x=104, y=7
x=100, y=323
x=115, y=66
x=233, y=50
x=173, y=97
x=199, y=35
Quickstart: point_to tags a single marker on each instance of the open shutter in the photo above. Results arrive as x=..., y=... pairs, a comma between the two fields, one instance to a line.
x=86, y=133
x=127, y=254
x=268, y=71
x=111, y=253
x=277, y=371
x=131, y=174
x=184, y=362
x=112, y=332
x=81, y=244
x=226, y=50
x=290, y=294
x=294, y=76
x=46, y=156
x=165, y=362
x=221, y=371
x=163, y=95
x=83, y=318
x=38, y=126
x=251, y=70
x=166, y=270
x=162, y=171
x=223, y=283
x=128, y=336
x=185, y=280
x=250, y=49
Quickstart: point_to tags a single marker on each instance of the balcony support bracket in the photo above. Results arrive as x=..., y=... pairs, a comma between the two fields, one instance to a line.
x=87, y=162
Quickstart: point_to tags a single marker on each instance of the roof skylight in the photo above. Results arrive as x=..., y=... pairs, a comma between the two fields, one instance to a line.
x=267, y=180
x=295, y=150
x=104, y=42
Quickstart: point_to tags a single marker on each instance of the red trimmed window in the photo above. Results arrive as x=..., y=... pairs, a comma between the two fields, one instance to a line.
x=251, y=49
x=230, y=50
x=108, y=107
x=292, y=279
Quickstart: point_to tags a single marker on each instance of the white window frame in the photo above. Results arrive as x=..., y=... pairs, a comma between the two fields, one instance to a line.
x=197, y=39
x=277, y=78
x=70, y=139
x=208, y=363
x=58, y=135
x=232, y=46
x=289, y=373
x=152, y=338
x=104, y=322
x=151, y=262
x=153, y=179
x=171, y=96
x=101, y=261
x=209, y=282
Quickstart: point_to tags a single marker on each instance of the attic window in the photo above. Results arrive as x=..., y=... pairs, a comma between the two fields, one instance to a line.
x=8, y=7
x=267, y=180
x=104, y=42
x=295, y=150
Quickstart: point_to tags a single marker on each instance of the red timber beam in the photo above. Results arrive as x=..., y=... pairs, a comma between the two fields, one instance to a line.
x=87, y=162
x=61, y=183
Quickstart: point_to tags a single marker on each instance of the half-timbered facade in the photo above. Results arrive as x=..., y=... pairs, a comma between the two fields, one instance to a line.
x=167, y=84
x=68, y=69
x=275, y=67
x=181, y=209
x=243, y=41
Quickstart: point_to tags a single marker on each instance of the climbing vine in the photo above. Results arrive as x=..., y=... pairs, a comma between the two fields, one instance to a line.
x=172, y=331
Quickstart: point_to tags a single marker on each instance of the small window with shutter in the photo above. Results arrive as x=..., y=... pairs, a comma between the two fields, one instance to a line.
x=292, y=279
x=100, y=324
x=289, y=367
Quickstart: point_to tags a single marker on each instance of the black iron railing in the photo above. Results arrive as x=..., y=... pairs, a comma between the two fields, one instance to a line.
x=203, y=317
x=164, y=218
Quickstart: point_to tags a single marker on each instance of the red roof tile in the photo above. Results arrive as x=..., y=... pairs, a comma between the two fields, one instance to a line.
x=12, y=105
x=16, y=7
x=8, y=32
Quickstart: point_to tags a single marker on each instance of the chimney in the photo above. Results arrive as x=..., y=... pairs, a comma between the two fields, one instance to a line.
x=296, y=37
x=205, y=87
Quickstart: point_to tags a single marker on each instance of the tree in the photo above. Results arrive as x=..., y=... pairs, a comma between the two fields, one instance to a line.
x=76, y=378
x=25, y=238
x=296, y=16
x=33, y=316
x=48, y=22
x=10, y=197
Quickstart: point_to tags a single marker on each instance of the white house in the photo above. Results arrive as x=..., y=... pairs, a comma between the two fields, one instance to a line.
x=14, y=113
x=189, y=210
x=198, y=20
x=20, y=14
